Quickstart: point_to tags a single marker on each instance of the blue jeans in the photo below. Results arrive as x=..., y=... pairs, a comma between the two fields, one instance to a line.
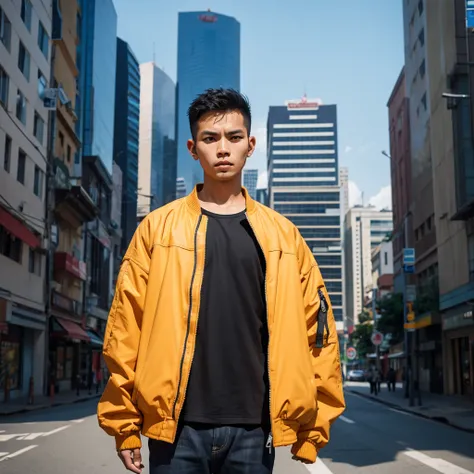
x=200, y=449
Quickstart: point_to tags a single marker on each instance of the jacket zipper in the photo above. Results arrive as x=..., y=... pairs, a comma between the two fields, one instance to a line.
x=322, y=321
x=270, y=437
x=189, y=318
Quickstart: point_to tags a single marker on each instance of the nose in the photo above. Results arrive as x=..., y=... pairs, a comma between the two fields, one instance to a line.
x=223, y=149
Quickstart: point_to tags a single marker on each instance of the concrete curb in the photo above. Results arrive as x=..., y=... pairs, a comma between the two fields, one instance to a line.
x=438, y=419
x=30, y=408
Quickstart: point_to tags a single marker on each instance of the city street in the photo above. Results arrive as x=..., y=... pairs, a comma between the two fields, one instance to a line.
x=369, y=438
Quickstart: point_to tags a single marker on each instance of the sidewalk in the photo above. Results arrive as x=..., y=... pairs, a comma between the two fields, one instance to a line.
x=452, y=410
x=66, y=398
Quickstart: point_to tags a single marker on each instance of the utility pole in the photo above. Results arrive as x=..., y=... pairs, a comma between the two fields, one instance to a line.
x=49, y=218
x=374, y=315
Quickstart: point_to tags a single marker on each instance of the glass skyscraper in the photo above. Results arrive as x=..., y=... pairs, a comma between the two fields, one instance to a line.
x=96, y=61
x=208, y=57
x=127, y=114
x=157, y=153
x=250, y=182
x=304, y=186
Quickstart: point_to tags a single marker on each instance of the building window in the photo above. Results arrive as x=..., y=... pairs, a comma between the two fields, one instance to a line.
x=42, y=84
x=385, y=258
x=423, y=102
x=34, y=264
x=20, y=172
x=61, y=140
x=24, y=61
x=21, y=107
x=423, y=69
x=421, y=37
x=68, y=154
x=38, y=184
x=5, y=30
x=10, y=246
x=420, y=7
x=26, y=9
x=43, y=40
x=8, y=154
x=38, y=128
x=4, y=83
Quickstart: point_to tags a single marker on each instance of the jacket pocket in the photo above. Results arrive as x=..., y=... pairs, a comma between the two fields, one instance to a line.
x=322, y=324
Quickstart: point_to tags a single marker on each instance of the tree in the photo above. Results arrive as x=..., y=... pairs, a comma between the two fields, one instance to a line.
x=360, y=338
x=392, y=317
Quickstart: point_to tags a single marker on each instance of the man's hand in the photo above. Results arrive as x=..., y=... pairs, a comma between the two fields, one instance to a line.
x=132, y=459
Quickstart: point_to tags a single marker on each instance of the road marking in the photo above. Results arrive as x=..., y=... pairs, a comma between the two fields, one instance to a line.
x=57, y=430
x=318, y=468
x=438, y=464
x=400, y=412
x=347, y=420
x=78, y=421
x=17, y=453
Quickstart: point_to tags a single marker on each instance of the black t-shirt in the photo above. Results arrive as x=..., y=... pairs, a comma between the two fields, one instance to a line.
x=228, y=383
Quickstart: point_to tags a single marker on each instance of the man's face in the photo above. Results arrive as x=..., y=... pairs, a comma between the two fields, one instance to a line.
x=222, y=145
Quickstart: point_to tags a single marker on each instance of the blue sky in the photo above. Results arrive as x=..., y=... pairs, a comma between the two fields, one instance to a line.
x=347, y=53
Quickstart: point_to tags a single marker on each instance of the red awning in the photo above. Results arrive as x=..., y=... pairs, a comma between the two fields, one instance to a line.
x=18, y=229
x=73, y=330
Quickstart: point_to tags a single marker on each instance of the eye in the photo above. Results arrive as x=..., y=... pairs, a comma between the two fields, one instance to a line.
x=236, y=138
x=208, y=140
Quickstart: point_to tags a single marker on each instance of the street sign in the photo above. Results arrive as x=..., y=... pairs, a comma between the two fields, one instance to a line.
x=469, y=14
x=351, y=353
x=377, y=338
x=409, y=256
x=409, y=268
x=410, y=317
x=410, y=293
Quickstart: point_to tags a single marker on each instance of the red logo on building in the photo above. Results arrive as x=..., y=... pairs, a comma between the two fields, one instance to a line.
x=208, y=18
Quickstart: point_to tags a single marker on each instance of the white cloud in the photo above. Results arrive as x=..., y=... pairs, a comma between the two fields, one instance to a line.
x=348, y=149
x=383, y=199
x=262, y=182
x=355, y=194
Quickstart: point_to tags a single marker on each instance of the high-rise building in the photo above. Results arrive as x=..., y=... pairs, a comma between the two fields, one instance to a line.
x=365, y=229
x=157, y=150
x=304, y=184
x=25, y=55
x=126, y=132
x=208, y=57
x=250, y=182
x=97, y=52
x=344, y=183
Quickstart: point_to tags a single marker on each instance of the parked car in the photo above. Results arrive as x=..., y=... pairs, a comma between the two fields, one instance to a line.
x=356, y=375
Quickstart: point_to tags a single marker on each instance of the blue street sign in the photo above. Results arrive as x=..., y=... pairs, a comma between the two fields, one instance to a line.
x=409, y=268
x=409, y=256
x=469, y=14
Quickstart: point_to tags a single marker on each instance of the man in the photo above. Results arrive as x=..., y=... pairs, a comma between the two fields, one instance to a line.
x=221, y=341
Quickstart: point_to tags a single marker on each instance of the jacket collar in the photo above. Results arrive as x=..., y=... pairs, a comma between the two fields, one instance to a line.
x=193, y=202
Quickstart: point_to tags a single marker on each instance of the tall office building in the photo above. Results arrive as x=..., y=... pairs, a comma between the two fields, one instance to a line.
x=304, y=184
x=96, y=61
x=208, y=57
x=157, y=150
x=344, y=183
x=365, y=229
x=127, y=117
x=250, y=182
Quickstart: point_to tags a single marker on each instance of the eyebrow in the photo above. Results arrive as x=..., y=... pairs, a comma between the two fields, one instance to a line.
x=214, y=134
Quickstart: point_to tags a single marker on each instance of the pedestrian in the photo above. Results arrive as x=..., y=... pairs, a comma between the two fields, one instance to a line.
x=221, y=341
x=374, y=380
x=391, y=379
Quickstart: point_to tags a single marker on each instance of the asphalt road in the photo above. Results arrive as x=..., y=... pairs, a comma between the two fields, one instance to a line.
x=369, y=438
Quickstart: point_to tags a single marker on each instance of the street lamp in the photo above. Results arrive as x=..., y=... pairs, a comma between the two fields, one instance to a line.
x=453, y=99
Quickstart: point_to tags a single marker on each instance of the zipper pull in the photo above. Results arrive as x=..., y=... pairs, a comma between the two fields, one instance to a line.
x=269, y=444
x=322, y=320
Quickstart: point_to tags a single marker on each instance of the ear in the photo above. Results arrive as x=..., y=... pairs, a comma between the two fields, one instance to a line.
x=252, y=145
x=192, y=149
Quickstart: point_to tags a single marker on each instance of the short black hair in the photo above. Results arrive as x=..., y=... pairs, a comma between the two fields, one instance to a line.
x=219, y=100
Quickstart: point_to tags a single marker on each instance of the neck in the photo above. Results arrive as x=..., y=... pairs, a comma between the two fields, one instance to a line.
x=222, y=193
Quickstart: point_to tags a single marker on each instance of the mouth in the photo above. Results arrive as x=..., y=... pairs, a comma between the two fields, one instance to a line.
x=223, y=164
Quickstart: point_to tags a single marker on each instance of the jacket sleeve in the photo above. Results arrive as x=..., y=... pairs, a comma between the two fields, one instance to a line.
x=118, y=416
x=325, y=360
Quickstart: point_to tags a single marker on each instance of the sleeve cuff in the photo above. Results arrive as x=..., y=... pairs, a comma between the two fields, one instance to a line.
x=129, y=441
x=306, y=450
